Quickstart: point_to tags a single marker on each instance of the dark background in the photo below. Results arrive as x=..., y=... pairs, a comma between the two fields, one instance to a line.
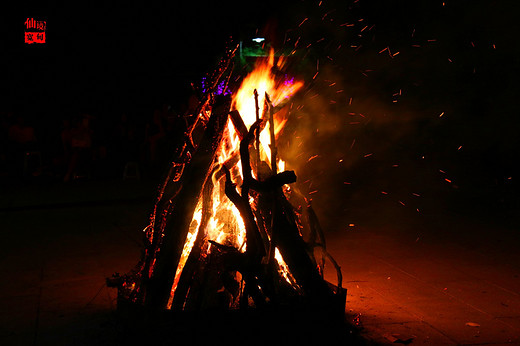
x=372, y=116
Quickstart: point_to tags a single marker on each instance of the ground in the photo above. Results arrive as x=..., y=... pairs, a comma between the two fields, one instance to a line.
x=447, y=282
x=454, y=280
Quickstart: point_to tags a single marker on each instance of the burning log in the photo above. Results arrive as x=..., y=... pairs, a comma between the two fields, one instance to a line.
x=182, y=207
x=238, y=123
x=192, y=262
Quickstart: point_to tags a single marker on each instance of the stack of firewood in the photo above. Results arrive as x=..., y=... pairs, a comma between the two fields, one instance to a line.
x=228, y=277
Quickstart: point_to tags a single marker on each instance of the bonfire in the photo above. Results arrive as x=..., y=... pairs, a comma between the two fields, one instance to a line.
x=228, y=230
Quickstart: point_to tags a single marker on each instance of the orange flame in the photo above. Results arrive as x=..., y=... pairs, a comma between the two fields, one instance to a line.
x=263, y=80
x=225, y=225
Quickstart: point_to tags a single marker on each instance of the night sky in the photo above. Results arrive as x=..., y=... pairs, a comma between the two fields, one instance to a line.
x=105, y=53
x=401, y=81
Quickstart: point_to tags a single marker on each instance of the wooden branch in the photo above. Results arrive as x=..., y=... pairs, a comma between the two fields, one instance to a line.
x=257, y=143
x=274, y=150
x=231, y=191
x=255, y=248
x=274, y=169
x=335, y=264
x=270, y=183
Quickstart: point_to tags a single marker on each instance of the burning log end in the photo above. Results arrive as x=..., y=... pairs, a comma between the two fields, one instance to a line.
x=238, y=123
x=286, y=177
x=273, y=182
